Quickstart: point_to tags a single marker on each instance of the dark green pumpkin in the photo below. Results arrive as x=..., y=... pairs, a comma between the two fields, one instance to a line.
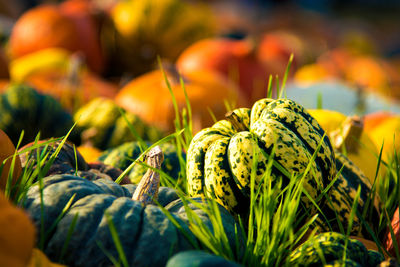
x=220, y=158
x=23, y=108
x=329, y=248
x=101, y=124
x=199, y=258
x=67, y=161
x=122, y=156
x=147, y=236
x=342, y=196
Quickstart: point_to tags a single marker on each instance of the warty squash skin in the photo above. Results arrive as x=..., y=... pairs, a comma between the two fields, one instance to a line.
x=342, y=195
x=328, y=248
x=220, y=158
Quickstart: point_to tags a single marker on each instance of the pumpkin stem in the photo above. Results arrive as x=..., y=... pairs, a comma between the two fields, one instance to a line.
x=348, y=134
x=147, y=189
x=236, y=121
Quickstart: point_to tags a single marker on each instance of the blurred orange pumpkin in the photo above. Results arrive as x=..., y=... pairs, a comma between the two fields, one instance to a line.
x=66, y=26
x=235, y=59
x=148, y=96
x=17, y=235
x=7, y=149
x=72, y=90
x=388, y=240
x=372, y=120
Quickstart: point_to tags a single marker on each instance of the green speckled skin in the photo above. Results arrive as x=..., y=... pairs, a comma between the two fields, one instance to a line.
x=101, y=124
x=327, y=248
x=342, y=195
x=220, y=158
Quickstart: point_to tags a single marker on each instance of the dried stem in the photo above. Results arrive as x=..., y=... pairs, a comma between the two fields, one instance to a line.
x=147, y=190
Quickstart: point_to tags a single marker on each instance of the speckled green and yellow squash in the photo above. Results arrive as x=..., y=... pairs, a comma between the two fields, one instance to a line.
x=342, y=196
x=220, y=158
x=101, y=125
x=334, y=249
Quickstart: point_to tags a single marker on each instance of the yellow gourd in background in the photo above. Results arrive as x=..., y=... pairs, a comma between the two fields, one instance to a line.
x=347, y=135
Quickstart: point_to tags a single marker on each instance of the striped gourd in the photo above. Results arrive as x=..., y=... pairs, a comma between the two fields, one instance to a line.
x=332, y=248
x=220, y=158
x=342, y=195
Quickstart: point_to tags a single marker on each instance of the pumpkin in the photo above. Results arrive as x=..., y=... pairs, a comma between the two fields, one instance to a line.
x=63, y=26
x=17, y=235
x=82, y=14
x=342, y=196
x=89, y=153
x=351, y=138
x=329, y=248
x=385, y=136
x=101, y=124
x=205, y=90
x=373, y=119
x=23, y=108
x=147, y=236
x=139, y=32
x=122, y=156
x=235, y=59
x=220, y=158
x=389, y=242
x=330, y=120
x=198, y=258
x=6, y=153
x=39, y=259
x=62, y=74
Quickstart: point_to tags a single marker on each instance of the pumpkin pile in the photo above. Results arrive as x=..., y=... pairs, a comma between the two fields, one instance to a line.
x=159, y=133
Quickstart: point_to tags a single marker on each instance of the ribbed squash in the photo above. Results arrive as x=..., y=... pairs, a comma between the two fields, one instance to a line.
x=122, y=156
x=147, y=236
x=220, y=158
x=101, y=124
x=342, y=195
x=23, y=108
x=328, y=249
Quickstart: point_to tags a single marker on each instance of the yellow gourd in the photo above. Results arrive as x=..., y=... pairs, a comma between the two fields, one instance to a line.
x=329, y=120
x=347, y=135
x=351, y=139
x=387, y=134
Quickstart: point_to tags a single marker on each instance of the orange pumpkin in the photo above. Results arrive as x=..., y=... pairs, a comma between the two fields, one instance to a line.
x=388, y=240
x=372, y=120
x=235, y=59
x=17, y=235
x=81, y=14
x=72, y=91
x=148, y=97
x=65, y=27
x=6, y=152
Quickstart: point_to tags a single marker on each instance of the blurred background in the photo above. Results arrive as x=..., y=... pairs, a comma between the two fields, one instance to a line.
x=346, y=55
